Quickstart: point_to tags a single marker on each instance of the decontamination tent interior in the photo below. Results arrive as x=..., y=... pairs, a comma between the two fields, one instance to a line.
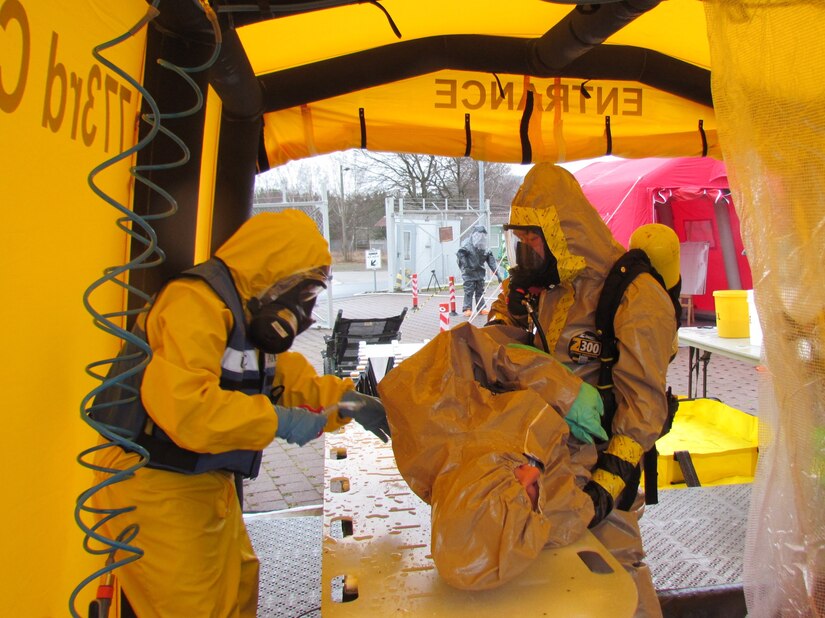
x=689, y=194
x=484, y=79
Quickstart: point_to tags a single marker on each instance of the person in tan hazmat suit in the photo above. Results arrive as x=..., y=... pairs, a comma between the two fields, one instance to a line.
x=220, y=386
x=562, y=251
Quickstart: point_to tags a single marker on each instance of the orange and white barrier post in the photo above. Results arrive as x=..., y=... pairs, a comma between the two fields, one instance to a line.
x=415, y=292
x=444, y=315
x=452, y=296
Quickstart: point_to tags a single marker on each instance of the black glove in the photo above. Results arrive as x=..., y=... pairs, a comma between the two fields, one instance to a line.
x=367, y=411
x=602, y=502
x=519, y=291
x=515, y=299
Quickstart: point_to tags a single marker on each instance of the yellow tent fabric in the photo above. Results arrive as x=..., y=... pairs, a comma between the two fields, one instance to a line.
x=477, y=113
x=60, y=104
x=427, y=115
x=767, y=86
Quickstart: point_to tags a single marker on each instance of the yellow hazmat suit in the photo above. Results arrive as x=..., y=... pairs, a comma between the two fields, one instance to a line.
x=585, y=250
x=198, y=559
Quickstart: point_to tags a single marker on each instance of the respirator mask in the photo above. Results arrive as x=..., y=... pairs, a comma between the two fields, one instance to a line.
x=533, y=265
x=285, y=310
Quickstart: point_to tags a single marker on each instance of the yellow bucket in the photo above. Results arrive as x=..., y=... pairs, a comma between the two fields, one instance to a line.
x=732, y=313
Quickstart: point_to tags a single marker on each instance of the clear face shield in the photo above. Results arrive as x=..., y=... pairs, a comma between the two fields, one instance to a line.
x=479, y=240
x=526, y=248
x=301, y=288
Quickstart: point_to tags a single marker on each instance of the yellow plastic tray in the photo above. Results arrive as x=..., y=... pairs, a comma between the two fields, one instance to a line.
x=722, y=442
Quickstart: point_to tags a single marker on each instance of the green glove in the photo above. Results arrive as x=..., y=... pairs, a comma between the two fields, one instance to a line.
x=524, y=346
x=585, y=415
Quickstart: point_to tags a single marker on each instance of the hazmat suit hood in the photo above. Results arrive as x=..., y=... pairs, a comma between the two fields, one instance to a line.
x=552, y=199
x=477, y=238
x=270, y=247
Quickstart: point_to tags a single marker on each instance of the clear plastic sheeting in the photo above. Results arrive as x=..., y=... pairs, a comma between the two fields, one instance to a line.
x=768, y=88
x=467, y=412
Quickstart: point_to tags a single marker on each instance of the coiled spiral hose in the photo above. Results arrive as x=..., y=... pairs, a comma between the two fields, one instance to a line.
x=140, y=231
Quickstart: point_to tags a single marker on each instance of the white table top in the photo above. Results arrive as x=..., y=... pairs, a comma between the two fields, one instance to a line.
x=707, y=338
x=396, y=348
x=387, y=557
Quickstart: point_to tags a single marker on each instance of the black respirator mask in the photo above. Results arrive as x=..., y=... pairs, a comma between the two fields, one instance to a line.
x=530, y=270
x=523, y=280
x=276, y=318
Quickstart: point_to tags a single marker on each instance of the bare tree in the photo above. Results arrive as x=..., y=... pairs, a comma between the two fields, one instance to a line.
x=458, y=178
x=500, y=184
x=401, y=174
x=427, y=176
x=296, y=181
x=366, y=211
x=307, y=180
x=357, y=183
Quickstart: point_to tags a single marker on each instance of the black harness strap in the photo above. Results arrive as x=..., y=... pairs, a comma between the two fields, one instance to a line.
x=468, y=136
x=608, y=136
x=624, y=271
x=167, y=455
x=524, y=126
x=362, y=120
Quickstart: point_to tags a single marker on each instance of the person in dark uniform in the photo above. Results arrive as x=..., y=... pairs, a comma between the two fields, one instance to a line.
x=472, y=257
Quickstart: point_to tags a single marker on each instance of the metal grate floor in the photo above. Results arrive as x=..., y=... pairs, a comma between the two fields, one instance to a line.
x=694, y=538
x=289, y=549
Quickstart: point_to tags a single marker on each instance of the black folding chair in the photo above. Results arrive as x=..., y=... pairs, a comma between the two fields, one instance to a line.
x=341, y=354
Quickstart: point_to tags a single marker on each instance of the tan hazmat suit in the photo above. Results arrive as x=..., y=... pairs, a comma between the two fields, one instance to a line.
x=551, y=198
x=469, y=409
x=467, y=412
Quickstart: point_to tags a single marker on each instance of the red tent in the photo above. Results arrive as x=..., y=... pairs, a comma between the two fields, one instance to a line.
x=690, y=195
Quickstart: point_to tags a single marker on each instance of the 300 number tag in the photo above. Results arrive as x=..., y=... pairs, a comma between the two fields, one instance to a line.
x=584, y=348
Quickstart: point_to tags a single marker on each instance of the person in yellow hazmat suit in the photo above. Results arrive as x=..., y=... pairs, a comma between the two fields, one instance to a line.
x=561, y=252
x=220, y=386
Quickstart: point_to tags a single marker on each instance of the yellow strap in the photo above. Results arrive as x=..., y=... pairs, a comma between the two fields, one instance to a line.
x=559, y=318
x=568, y=264
x=625, y=448
x=613, y=484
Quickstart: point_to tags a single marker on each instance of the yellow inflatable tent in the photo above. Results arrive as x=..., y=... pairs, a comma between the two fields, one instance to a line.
x=520, y=82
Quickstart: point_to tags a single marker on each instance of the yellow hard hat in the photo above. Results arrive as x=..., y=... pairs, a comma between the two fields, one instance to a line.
x=661, y=245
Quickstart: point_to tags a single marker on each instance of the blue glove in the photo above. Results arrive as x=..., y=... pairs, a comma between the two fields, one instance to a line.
x=299, y=426
x=367, y=411
x=585, y=415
